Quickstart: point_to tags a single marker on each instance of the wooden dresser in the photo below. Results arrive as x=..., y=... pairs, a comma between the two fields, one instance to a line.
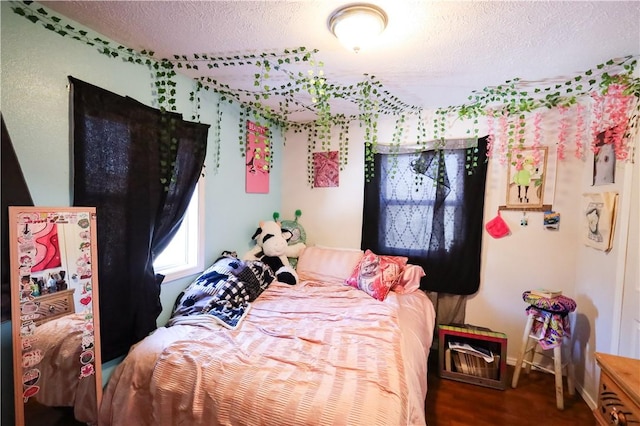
x=619, y=391
x=55, y=305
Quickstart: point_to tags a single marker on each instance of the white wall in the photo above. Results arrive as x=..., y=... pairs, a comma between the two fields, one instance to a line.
x=530, y=257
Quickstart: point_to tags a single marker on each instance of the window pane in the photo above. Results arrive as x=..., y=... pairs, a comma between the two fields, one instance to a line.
x=405, y=227
x=183, y=256
x=407, y=208
x=176, y=252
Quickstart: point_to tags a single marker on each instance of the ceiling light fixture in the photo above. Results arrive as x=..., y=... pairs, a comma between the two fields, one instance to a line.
x=357, y=25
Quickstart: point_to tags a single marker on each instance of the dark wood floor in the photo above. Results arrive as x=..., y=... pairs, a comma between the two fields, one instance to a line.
x=533, y=402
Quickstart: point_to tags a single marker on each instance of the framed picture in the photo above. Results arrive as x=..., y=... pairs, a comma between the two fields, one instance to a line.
x=600, y=211
x=526, y=177
x=604, y=161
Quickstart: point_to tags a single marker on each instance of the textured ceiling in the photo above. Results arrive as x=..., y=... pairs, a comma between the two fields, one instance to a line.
x=432, y=54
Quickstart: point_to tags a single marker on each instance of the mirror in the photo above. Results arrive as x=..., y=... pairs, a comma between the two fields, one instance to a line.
x=54, y=309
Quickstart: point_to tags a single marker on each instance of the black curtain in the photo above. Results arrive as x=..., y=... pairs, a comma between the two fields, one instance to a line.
x=138, y=166
x=437, y=224
x=14, y=193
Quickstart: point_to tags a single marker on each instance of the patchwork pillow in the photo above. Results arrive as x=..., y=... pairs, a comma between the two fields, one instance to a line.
x=409, y=280
x=325, y=264
x=377, y=274
x=224, y=291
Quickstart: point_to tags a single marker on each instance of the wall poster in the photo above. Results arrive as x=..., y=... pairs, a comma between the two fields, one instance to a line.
x=599, y=220
x=604, y=160
x=258, y=159
x=526, y=177
x=325, y=169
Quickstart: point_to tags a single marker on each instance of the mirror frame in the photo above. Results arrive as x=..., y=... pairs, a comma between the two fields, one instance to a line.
x=21, y=322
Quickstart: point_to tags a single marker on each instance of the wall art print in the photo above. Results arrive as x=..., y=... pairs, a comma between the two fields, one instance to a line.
x=258, y=158
x=45, y=244
x=599, y=220
x=604, y=160
x=526, y=177
x=326, y=170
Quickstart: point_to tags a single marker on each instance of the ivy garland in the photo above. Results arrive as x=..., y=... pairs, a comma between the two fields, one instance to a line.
x=508, y=103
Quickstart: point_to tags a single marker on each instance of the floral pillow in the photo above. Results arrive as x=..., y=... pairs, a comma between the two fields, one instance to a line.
x=377, y=274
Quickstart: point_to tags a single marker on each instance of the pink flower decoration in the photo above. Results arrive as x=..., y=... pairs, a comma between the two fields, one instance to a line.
x=562, y=133
x=596, y=119
x=503, y=139
x=616, y=110
x=579, y=136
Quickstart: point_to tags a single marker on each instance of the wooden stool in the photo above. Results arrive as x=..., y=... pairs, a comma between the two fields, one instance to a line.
x=540, y=332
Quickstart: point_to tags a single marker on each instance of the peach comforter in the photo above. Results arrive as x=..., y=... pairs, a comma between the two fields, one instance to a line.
x=312, y=354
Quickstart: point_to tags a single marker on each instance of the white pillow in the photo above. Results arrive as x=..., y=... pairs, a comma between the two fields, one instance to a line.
x=325, y=264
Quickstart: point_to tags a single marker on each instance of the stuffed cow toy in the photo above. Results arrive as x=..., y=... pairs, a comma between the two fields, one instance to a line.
x=272, y=248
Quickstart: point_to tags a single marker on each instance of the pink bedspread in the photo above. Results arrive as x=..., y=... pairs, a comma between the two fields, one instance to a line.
x=308, y=354
x=60, y=340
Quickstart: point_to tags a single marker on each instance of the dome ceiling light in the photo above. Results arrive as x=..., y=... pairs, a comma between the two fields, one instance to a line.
x=357, y=25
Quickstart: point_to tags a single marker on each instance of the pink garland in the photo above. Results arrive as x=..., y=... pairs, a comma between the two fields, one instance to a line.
x=579, y=131
x=596, y=119
x=503, y=139
x=562, y=133
x=616, y=109
x=536, y=138
x=609, y=113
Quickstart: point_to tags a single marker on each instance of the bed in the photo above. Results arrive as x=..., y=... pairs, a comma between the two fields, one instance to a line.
x=319, y=352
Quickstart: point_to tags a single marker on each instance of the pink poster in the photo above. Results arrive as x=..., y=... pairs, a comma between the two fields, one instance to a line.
x=258, y=159
x=325, y=169
x=47, y=248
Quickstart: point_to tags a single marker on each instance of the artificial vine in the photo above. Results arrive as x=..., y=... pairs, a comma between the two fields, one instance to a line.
x=343, y=140
x=218, y=135
x=311, y=147
x=508, y=108
x=196, y=101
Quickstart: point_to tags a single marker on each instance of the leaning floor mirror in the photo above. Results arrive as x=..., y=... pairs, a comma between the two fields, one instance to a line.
x=54, y=314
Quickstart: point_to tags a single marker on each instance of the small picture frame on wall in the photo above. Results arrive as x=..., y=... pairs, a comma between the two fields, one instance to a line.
x=527, y=169
x=604, y=161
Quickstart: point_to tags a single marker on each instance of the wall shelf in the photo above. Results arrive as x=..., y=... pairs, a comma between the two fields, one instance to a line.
x=544, y=208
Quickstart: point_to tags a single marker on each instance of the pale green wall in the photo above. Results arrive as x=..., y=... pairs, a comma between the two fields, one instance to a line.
x=35, y=64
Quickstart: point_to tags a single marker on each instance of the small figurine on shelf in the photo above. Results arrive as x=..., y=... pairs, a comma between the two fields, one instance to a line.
x=60, y=281
x=35, y=290
x=52, y=284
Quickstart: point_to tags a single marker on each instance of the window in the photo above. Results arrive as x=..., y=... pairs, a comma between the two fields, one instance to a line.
x=405, y=206
x=184, y=255
x=437, y=224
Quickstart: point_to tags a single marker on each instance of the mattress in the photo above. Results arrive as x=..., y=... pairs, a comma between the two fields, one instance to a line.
x=315, y=353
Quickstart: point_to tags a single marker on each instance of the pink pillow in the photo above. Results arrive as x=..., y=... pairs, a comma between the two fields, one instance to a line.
x=409, y=280
x=376, y=274
x=324, y=264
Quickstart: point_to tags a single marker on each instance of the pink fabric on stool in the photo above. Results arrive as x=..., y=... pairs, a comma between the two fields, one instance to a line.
x=552, y=313
x=559, y=304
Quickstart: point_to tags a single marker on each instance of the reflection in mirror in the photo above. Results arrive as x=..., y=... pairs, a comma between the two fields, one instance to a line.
x=54, y=297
